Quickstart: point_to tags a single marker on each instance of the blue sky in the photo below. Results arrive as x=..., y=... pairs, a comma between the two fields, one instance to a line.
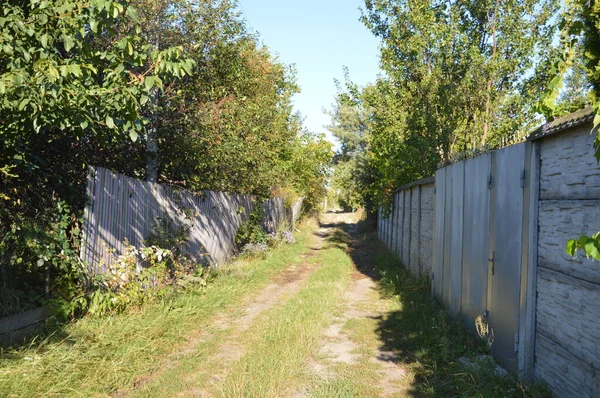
x=319, y=38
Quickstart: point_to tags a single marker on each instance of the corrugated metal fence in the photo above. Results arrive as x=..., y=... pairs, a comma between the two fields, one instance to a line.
x=123, y=210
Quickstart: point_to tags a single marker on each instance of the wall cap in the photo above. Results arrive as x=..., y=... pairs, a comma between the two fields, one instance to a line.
x=575, y=119
x=424, y=181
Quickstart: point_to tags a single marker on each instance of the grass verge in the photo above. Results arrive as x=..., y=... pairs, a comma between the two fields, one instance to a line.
x=98, y=356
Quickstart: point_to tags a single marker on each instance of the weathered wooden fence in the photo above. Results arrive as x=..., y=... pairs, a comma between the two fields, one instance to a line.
x=501, y=224
x=122, y=210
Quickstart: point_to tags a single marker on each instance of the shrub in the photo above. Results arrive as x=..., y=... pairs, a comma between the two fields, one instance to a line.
x=251, y=230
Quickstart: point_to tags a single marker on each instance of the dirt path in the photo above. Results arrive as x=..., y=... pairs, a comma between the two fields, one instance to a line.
x=341, y=345
x=344, y=351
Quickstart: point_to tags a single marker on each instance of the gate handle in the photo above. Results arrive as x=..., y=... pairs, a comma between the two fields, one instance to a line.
x=491, y=260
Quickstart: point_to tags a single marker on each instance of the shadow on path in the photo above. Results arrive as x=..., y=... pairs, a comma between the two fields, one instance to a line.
x=421, y=335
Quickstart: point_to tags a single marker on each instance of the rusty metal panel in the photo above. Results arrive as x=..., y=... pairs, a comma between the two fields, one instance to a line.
x=506, y=245
x=438, y=234
x=476, y=239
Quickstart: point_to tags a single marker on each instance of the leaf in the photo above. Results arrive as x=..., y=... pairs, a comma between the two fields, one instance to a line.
x=144, y=99
x=83, y=124
x=149, y=82
x=133, y=135
x=591, y=250
x=44, y=40
x=94, y=25
x=110, y=123
x=75, y=69
x=133, y=14
x=571, y=247
x=596, y=120
x=18, y=79
x=583, y=239
x=68, y=43
x=23, y=104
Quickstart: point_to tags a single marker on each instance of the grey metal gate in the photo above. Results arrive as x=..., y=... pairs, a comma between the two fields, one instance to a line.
x=506, y=243
x=478, y=244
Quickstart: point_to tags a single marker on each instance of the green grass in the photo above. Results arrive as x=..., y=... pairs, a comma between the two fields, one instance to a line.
x=280, y=346
x=97, y=356
x=275, y=348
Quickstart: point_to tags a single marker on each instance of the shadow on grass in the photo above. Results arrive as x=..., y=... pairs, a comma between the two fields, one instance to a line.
x=423, y=336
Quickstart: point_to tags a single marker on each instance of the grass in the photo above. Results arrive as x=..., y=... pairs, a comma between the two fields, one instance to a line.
x=275, y=348
x=281, y=345
x=98, y=356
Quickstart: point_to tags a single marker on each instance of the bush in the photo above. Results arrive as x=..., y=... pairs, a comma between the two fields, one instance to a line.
x=40, y=260
x=251, y=230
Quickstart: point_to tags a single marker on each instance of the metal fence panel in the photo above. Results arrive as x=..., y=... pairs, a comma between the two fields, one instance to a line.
x=447, y=236
x=509, y=168
x=406, y=230
x=400, y=216
x=439, y=235
x=398, y=222
x=476, y=239
x=123, y=210
x=456, y=237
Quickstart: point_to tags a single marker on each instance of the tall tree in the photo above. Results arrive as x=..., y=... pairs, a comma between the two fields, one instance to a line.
x=350, y=124
x=458, y=77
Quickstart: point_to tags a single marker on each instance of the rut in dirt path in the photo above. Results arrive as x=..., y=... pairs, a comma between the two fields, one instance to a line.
x=284, y=284
x=361, y=301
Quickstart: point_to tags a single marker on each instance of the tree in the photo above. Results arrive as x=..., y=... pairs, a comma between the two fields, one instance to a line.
x=66, y=102
x=350, y=124
x=458, y=77
x=581, y=22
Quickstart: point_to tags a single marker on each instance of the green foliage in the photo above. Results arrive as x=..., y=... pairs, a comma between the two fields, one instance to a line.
x=350, y=124
x=43, y=257
x=67, y=101
x=87, y=82
x=458, y=77
x=590, y=245
x=581, y=23
x=252, y=230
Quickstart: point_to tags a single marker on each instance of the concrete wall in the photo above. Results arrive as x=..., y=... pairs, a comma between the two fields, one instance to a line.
x=567, y=352
x=408, y=230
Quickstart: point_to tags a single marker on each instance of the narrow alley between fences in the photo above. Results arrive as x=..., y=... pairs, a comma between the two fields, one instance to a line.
x=332, y=315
